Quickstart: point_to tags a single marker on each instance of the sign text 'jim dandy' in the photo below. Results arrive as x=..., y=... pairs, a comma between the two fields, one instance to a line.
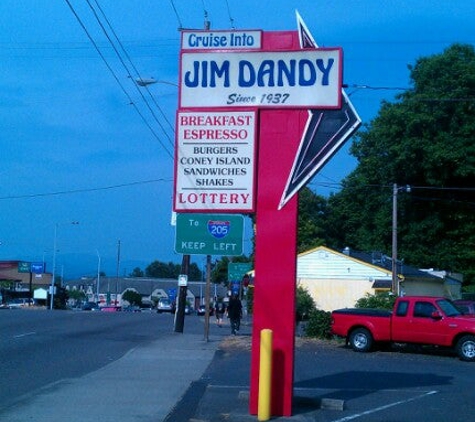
x=254, y=78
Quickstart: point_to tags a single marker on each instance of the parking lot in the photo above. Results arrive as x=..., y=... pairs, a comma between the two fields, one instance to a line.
x=401, y=385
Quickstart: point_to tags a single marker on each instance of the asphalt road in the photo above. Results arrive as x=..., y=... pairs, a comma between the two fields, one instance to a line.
x=39, y=348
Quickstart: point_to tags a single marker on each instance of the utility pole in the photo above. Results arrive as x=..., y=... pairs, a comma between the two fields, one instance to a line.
x=394, y=278
x=98, y=276
x=185, y=264
x=207, y=296
x=394, y=281
x=117, y=273
x=180, y=312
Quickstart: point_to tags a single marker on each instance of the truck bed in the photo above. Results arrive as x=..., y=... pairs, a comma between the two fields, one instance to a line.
x=366, y=312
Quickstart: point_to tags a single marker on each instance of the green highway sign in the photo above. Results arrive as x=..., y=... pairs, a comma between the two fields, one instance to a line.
x=209, y=234
x=237, y=270
x=24, y=267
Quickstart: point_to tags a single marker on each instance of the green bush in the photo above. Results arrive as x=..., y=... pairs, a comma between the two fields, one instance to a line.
x=304, y=304
x=319, y=324
x=376, y=301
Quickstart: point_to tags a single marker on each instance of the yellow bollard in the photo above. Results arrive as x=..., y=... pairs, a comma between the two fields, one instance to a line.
x=265, y=376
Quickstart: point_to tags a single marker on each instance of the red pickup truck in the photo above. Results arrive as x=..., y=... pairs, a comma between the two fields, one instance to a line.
x=416, y=319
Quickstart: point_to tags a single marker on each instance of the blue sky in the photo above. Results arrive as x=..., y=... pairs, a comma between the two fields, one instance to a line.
x=75, y=149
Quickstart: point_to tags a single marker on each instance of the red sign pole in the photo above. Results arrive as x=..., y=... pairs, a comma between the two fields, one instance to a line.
x=276, y=245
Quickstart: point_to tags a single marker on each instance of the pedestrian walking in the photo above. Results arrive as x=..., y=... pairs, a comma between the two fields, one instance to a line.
x=219, y=310
x=235, y=313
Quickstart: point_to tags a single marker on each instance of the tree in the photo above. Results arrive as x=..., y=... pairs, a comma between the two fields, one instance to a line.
x=311, y=220
x=60, y=298
x=134, y=298
x=77, y=295
x=195, y=274
x=137, y=272
x=219, y=273
x=424, y=139
x=159, y=269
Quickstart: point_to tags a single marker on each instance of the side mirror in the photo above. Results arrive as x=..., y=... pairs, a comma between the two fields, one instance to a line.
x=436, y=315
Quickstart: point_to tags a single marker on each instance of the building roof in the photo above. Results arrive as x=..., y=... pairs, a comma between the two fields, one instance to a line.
x=144, y=285
x=378, y=260
x=384, y=261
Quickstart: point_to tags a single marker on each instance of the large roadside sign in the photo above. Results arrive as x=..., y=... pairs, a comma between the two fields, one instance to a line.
x=274, y=76
x=215, y=161
x=209, y=234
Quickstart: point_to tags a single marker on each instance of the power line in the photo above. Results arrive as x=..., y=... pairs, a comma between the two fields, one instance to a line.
x=73, y=191
x=431, y=188
x=133, y=67
x=376, y=88
x=131, y=102
x=180, y=25
x=335, y=184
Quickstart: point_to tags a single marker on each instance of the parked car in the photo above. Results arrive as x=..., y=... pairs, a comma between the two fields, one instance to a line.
x=165, y=305
x=202, y=310
x=107, y=308
x=17, y=303
x=90, y=306
x=467, y=307
x=147, y=307
x=131, y=308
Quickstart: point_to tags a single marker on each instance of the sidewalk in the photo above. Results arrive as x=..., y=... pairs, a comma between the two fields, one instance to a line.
x=179, y=378
x=144, y=385
x=222, y=393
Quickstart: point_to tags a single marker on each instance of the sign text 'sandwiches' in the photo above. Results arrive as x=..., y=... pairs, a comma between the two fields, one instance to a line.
x=214, y=167
x=261, y=79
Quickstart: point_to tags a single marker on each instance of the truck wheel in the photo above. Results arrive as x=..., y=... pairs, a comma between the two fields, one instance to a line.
x=361, y=340
x=466, y=348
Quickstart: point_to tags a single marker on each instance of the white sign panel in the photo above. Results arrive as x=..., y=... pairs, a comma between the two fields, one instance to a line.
x=214, y=164
x=303, y=79
x=215, y=40
x=182, y=280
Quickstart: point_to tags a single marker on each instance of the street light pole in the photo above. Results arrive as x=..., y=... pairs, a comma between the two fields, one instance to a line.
x=54, y=261
x=117, y=274
x=98, y=275
x=54, y=265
